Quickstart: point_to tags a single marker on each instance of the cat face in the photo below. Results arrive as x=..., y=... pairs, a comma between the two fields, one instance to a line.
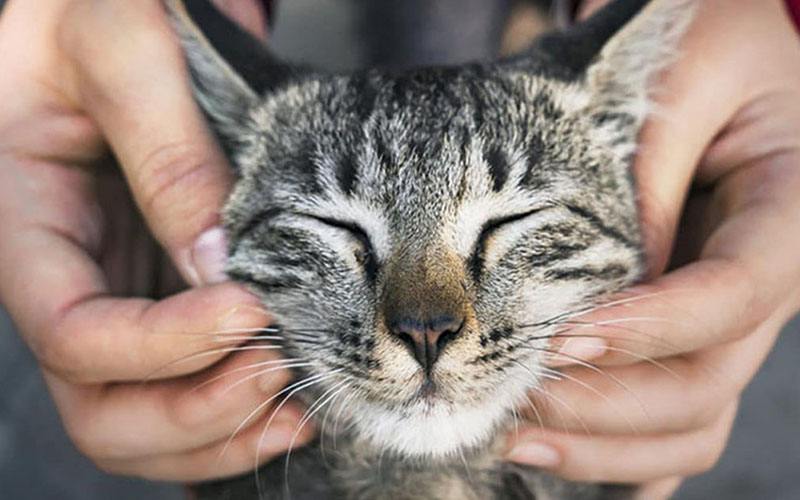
x=408, y=235
x=416, y=235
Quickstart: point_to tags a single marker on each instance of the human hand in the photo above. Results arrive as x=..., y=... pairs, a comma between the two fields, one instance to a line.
x=727, y=121
x=77, y=75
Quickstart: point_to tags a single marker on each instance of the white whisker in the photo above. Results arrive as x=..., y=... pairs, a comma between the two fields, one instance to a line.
x=560, y=401
x=210, y=352
x=309, y=414
x=244, y=368
x=605, y=398
x=309, y=380
x=264, y=372
x=317, y=379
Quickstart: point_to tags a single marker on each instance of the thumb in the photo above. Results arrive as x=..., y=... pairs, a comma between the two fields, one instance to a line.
x=133, y=82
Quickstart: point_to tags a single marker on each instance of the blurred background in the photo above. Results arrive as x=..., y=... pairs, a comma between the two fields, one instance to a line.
x=37, y=461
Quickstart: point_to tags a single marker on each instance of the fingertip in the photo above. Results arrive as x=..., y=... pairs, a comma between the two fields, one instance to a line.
x=658, y=490
x=535, y=453
x=588, y=7
x=579, y=349
x=204, y=262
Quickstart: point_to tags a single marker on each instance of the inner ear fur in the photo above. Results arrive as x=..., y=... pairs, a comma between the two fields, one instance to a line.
x=230, y=69
x=621, y=77
x=203, y=27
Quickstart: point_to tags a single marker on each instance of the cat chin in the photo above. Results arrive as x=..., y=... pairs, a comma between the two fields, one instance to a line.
x=430, y=432
x=438, y=430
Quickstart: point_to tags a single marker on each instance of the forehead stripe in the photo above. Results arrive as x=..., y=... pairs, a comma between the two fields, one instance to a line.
x=598, y=224
x=498, y=168
x=346, y=174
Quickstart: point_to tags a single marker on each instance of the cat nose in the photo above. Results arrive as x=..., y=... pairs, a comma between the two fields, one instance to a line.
x=427, y=339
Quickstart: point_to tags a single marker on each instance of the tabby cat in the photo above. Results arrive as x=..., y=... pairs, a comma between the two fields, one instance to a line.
x=419, y=235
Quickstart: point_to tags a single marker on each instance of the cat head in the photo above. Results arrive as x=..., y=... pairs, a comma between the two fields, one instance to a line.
x=419, y=235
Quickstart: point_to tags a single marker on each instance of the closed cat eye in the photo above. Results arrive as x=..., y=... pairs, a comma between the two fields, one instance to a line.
x=366, y=255
x=490, y=227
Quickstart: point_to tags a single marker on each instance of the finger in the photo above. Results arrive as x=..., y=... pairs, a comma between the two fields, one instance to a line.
x=589, y=7
x=704, y=303
x=662, y=489
x=59, y=300
x=676, y=136
x=747, y=271
x=172, y=416
x=223, y=459
x=142, y=101
x=672, y=395
x=626, y=459
x=747, y=266
x=102, y=339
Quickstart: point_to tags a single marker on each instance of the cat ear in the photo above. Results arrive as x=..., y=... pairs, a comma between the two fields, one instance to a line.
x=230, y=69
x=620, y=77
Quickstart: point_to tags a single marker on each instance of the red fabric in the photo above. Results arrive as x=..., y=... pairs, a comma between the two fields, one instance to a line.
x=794, y=11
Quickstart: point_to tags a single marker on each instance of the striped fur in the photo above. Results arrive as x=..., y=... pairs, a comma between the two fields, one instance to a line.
x=504, y=186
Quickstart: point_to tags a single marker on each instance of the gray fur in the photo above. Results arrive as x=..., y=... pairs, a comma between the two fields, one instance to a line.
x=510, y=183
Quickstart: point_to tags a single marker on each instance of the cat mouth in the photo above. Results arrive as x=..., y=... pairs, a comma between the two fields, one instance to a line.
x=427, y=391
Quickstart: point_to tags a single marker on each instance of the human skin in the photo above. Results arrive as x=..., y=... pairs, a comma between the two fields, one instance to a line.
x=82, y=78
x=63, y=264
x=725, y=132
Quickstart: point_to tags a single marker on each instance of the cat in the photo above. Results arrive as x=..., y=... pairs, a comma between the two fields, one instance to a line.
x=420, y=235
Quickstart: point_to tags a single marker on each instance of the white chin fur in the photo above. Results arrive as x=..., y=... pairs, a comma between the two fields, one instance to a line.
x=431, y=431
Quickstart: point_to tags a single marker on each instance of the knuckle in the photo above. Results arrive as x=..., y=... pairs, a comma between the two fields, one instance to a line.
x=89, y=22
x=168, y=170
x=177, y=178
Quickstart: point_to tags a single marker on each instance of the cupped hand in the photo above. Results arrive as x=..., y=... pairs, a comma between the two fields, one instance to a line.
x=657, y=401
x=80, y=76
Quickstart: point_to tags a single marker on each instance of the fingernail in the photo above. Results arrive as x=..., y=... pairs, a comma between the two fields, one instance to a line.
x=575, y=350
x=209, y=255
x=534, y=453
